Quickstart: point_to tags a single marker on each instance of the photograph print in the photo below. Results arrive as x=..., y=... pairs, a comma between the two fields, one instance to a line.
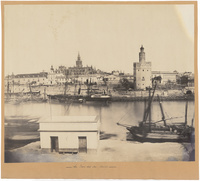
x=99, y=82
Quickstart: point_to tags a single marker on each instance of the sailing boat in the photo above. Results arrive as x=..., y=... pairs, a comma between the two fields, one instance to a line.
x=148, y=131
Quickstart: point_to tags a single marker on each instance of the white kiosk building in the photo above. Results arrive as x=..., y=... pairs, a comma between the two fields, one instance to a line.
x=69, y=133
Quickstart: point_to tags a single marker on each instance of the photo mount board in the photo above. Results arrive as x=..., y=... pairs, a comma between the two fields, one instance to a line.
x=100, y=170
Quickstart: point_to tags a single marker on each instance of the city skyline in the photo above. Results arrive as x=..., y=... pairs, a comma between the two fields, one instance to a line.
x=108, y=37
x=48, y=69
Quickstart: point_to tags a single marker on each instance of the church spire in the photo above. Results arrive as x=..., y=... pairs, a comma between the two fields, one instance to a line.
x=79, y=57
x=79, y=61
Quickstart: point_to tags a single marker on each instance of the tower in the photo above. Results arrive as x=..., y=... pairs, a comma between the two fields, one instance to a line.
x=142, y=55
x=51, y=69
x=79, y=61
x=142, y=71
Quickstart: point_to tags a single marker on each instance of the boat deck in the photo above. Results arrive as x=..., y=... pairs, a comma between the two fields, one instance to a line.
x=157, y=136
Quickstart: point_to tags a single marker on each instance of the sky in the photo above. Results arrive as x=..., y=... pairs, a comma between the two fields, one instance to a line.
x=107, y=37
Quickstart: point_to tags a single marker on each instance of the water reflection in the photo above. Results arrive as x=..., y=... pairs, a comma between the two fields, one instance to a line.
x=125, y=112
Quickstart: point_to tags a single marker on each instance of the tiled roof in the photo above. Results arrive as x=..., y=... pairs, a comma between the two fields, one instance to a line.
x=33, y=75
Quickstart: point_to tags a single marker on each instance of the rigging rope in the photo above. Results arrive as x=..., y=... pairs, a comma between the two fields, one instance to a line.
x=126, y=113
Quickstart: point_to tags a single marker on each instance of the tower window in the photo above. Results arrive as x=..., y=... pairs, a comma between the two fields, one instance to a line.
x=138, y=70
x=143, y=79
x=143, y=70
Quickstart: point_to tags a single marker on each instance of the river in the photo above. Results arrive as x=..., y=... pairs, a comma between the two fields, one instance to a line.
x=123, y=112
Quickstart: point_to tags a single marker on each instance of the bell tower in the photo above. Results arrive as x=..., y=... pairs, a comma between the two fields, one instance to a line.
x=79, y=61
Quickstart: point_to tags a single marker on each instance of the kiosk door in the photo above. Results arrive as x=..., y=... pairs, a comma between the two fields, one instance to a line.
x=82, y=144
x=54, y=143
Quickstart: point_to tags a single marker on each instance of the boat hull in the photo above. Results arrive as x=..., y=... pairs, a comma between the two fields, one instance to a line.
x=80, y=98
x=158, y=136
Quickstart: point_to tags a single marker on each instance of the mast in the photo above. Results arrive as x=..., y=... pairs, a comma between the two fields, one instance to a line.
x=44, y=93
x=75, y=89
x=50, y=107
x=149, y=112
x=107, y=89
x=186, y=107
x=8, y=89
x=66, y=79
x=145, y=107
x=89, y=87
x=30, y=91
x=79, y=89
x=13, y=87
x=162, y=112
x=30, y=88
x=149, y=104
x=8, y=86
x=65, y=88
x=192, y=123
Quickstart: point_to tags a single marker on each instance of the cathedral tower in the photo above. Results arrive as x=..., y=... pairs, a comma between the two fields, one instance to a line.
x=79, y=61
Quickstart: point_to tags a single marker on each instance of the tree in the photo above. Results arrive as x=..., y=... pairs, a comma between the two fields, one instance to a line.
x=157, y=79
x=125, y=83
x=184, y=80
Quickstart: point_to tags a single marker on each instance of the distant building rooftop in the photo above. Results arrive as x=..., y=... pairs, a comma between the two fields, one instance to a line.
x=42, y=74
x=163, y=72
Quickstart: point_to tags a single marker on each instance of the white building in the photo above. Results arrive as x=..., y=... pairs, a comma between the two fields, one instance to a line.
x=166, y=76
x=60, y=78
x=55, y=78
x=142, y=71
x=35, y=78
x=69, y=133
x=52, y=77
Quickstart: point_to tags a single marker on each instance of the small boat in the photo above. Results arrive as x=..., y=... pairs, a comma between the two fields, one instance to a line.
x=102, y=96
x=99, y=97
x=148, y=131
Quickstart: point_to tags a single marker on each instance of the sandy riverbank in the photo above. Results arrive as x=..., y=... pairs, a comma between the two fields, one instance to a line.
x=111, y=150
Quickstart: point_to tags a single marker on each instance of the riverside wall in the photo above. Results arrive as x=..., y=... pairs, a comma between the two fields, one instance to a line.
x=139, y=95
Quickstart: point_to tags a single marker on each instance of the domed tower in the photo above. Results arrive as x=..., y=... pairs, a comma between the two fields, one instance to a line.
x=79, y=61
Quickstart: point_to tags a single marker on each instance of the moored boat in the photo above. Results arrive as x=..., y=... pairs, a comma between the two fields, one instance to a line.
x=148, y=131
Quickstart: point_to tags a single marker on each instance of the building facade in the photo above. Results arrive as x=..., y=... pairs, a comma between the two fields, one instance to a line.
x=60, y=78
x=69, y=133
x=166, y=76
x=142, y=72
x=35, y=78
x=79, y=69
x=51, y=76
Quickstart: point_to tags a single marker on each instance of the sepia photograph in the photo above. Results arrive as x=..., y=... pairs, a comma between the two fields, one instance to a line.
x=99, y=82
